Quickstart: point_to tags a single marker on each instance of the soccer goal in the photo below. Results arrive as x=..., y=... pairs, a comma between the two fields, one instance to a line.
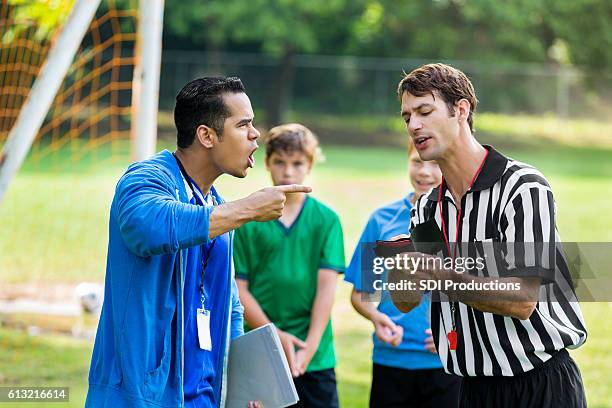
x=75, y=76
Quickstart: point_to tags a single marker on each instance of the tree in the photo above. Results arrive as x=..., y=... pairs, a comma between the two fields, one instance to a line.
x=45, y=16
x=571, y=32
x=586, y=27
x=281, y=28
x=489, y=30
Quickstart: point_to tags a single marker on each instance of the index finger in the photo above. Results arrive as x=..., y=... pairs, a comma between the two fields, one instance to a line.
x=400, y=236
x=294, y=188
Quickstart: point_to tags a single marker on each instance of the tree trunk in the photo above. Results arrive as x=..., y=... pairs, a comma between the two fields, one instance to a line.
x=280, y=94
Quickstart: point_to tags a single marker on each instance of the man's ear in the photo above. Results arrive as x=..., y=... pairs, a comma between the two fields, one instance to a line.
x=463, y=109
x=207, y=136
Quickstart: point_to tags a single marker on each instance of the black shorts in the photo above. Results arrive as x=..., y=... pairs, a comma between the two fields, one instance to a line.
x=554, y=384
x=317, y=389
x=400, y=388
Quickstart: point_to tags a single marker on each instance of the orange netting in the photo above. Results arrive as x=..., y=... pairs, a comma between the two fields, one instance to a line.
x=92, y=107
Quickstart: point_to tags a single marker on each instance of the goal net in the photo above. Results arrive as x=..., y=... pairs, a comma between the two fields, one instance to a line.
x=89, y=118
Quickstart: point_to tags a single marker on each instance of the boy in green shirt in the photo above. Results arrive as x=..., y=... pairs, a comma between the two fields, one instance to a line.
x=286, y=269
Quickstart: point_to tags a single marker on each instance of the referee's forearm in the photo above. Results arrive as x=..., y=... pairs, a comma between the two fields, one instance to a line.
x=404, y=300
x=519, y=310
x=514, y=303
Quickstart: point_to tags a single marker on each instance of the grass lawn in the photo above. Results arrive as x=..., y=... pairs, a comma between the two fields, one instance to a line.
x=54, y=228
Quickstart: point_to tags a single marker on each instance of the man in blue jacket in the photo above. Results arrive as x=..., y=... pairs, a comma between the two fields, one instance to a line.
x=171, y=305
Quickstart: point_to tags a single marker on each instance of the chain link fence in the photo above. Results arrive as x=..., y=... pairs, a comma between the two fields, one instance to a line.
x=360, y=85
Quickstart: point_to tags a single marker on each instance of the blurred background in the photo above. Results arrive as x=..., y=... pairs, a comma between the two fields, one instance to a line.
x=541, y=69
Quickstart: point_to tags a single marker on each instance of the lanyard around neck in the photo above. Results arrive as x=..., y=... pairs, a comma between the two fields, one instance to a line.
x=203, y=248
x=457, y=228
x=188, y=179
x=452, y=335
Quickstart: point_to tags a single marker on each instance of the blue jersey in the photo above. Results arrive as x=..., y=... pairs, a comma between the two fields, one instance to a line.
x=141, y=355
x=202, y=366
x=385, y=223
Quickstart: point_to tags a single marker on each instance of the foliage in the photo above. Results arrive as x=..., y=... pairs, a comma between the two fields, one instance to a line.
x=45, y=16
x=521, y=30
x=272, y=26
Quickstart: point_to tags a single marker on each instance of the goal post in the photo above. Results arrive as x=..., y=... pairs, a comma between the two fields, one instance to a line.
x=145, y=87
x=95, y=83
x=33, y=112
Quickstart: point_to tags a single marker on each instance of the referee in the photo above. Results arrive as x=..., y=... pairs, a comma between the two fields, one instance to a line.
x=509, y=346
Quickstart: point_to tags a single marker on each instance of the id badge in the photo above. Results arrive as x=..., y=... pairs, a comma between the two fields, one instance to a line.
x=203, y=322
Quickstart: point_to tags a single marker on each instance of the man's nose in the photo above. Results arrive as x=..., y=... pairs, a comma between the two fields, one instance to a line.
x=414, y=124
x=254, y=134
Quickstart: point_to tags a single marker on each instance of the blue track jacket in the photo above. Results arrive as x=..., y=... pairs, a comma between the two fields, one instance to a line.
x=138, y=356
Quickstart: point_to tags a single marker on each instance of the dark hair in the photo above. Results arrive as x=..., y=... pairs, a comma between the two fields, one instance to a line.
x=200, y=102
x=448, y=82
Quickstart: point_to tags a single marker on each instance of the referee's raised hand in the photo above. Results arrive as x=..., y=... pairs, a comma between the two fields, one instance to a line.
x=268, y=203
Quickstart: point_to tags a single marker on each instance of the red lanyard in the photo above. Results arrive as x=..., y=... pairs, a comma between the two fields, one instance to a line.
x=444, y=230
x=452, y=334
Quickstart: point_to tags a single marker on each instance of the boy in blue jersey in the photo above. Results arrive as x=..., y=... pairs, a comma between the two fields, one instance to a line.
x=407, y=372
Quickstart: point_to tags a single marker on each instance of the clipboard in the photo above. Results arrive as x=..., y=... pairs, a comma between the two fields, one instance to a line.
x=258, y=371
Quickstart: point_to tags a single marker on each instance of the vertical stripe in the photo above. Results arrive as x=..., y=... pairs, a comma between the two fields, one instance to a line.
x=550, y=326
x=487, y=366
x=534, y=337
x=446, y=318
x=439, y=332
x=468, y=234
x=487, y=341
x=517, y=208
x=442, y=344
x=450, y=218
x=516, y=345
x=483, y=216
x=567, y=326
x=470, y=369
x=528, y=226
x=492, y=210
x=500, y=355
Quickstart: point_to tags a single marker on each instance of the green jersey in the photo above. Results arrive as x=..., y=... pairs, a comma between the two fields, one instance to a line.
x=282, y=266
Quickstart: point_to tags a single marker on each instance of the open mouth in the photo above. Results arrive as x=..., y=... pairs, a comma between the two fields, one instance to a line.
x=421, y=141
x=251, y=158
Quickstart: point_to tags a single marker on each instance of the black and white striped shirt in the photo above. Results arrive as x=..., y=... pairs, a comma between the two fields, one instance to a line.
x=508, y=202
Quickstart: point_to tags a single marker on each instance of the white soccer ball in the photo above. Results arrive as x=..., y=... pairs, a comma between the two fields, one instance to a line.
x=90, y=296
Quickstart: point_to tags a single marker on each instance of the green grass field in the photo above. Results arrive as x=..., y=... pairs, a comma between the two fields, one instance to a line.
x=54, y=229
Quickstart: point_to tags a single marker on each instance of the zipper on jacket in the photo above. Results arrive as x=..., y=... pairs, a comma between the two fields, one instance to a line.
x=228, y=339
x=182, y=300
x=182, y=297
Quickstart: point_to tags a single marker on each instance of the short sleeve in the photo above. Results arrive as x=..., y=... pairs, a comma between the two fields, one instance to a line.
x=528, y=234
x=242, y=255
x=363, y=254
x=417, y=212
x=332, y=254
